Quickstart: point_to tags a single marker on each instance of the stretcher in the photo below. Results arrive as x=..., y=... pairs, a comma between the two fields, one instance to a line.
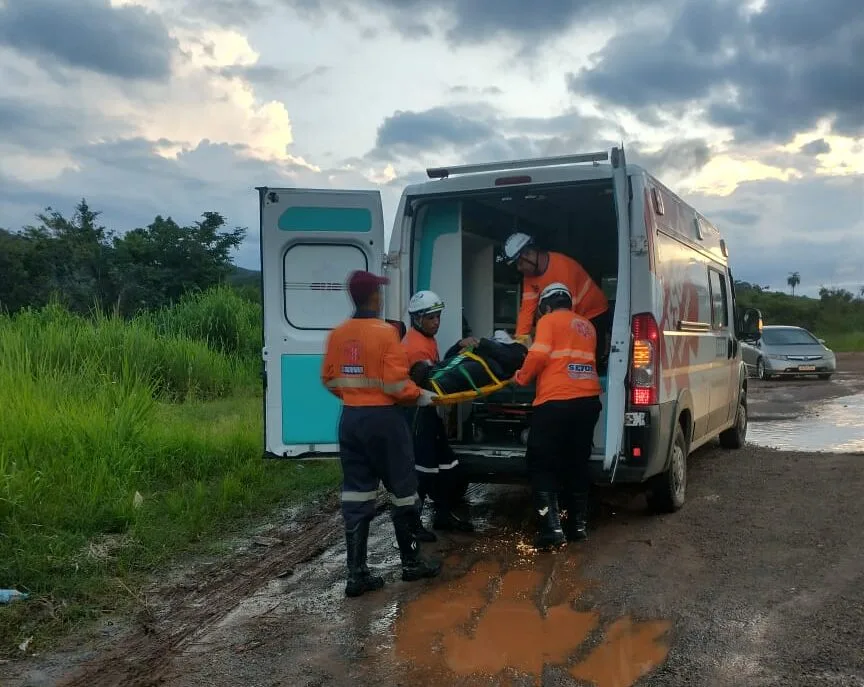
x=475, y=391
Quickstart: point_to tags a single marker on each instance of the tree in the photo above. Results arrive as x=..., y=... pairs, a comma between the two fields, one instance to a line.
x=85, y=265
x=793, y=280
x=17, y=284
x=159, y=263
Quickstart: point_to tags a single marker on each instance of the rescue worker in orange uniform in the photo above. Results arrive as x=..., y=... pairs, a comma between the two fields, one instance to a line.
x=366, y=367
x=566, y=408
x=541, y=268
x=434, y=460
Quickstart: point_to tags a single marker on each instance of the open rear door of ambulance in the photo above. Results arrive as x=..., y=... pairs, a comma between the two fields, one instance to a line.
x=311, y=240
x=619, y=353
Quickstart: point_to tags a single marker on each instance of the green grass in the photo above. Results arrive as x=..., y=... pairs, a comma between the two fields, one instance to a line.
x=852, y=342
x=95, y=413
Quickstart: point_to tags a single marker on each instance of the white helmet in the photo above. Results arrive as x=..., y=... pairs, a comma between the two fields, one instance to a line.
x=514, y=245
x=425, y=303
x=556, y=289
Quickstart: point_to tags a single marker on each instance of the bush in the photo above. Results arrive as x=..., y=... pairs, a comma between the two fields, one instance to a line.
x=222, y=317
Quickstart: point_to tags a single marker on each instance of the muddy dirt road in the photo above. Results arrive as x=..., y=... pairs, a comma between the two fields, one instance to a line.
x=759, y=580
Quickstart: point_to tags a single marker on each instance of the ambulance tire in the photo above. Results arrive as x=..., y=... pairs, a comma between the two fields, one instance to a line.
x=668, y=490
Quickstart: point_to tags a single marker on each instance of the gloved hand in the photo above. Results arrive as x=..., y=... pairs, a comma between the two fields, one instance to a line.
x=524, y=339
x=426, y=398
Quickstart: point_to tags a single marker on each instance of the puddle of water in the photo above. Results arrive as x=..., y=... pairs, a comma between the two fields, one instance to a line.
x=836, y=426
x=491, y=622
x=631, y=649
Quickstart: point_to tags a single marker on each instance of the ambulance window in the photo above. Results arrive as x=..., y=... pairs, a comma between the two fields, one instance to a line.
x=314, y=283
x=719, y=304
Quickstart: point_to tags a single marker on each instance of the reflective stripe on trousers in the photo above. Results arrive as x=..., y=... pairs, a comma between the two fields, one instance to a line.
x=366, y=496
x=440, y=468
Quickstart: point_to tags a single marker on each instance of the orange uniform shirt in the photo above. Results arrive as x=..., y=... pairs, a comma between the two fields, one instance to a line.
x=588, y=299
x=562, y=359
x=365, y=364
x=420, y=347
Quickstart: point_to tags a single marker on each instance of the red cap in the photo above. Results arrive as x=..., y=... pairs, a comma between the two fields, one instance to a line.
x=361, y=285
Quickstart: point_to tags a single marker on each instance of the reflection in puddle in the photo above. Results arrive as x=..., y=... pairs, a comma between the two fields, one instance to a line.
x=490, y=622
x=836, y=426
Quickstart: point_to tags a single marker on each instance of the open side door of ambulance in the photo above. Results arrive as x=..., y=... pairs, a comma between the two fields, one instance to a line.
x=310, y=241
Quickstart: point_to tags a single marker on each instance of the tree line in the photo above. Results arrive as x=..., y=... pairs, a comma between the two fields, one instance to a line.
x=836, y=311
x=88, y=266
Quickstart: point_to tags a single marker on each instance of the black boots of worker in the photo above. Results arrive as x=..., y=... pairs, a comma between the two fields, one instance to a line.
x=414, y=566
x=420, y=531
x=550, y=534
x=447, y=521
x=575, y=526
x=444, y=519
x=360, y=578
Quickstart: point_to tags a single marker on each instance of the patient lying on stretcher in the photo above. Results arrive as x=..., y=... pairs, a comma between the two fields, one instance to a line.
x=480, y=369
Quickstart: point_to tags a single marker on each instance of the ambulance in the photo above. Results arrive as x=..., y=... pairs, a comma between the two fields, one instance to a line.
x=675, y=379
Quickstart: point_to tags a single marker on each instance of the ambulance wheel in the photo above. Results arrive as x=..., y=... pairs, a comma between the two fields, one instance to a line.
x=668, y=490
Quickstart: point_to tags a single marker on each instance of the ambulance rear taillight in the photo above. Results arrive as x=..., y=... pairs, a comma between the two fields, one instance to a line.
x=645, y=358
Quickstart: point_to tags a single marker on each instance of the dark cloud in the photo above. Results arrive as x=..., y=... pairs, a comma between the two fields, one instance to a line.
x=38, y=127
x=479, y=133
x=267, y=75
x=473, y=90
x=127, y=42
x=479, y=128
x=679, y=157
x=766, y=75
x=742, y=218
x=229, y=13
x=471, y=21
x=814, y=226
x=817, y=147
x=438, y=127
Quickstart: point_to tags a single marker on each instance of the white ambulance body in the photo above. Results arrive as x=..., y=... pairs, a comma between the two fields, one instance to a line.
x=675, y=378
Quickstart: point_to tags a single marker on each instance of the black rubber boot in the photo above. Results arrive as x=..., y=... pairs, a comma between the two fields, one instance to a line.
x=420, y=532
x=360, y=578
x=448, y=521
x=577, y=515
x=550, y=534
x=414, y=566
x=445, y=519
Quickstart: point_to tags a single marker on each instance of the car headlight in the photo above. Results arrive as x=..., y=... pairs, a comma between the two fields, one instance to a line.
x=775, y=356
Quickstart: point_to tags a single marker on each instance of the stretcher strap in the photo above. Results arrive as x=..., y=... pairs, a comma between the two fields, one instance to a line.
x=459, y=396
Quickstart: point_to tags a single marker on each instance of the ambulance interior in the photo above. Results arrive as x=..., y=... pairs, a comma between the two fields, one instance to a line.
x=456, y=242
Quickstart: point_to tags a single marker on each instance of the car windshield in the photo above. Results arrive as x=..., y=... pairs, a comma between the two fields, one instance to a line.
x=788, y=337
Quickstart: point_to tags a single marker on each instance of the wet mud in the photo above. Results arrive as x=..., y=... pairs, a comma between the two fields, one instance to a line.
x=836, y=426
x=809, y=414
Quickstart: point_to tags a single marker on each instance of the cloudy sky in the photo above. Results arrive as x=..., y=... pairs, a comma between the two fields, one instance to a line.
x=752, y=110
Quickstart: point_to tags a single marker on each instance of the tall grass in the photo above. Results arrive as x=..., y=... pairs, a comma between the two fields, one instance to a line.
x=121, y=442
x=850, y=342
x=221, y=317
